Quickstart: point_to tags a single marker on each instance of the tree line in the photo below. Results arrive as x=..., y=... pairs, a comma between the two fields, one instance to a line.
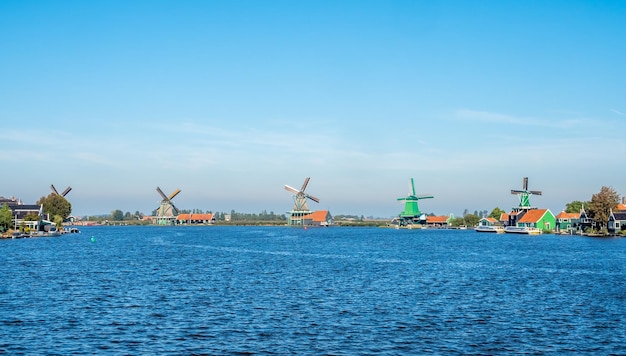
x=119, y=215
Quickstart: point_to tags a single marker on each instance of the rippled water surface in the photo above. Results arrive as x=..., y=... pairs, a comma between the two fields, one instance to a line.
x=257, y=290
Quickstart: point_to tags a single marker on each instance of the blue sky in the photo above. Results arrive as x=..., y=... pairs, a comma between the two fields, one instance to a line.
x=231, y=100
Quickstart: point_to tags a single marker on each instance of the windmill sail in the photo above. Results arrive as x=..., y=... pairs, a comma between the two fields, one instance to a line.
x=291, y=189
x=300, y=197
x=56, y=192
x=167, y=209
x=67, y=190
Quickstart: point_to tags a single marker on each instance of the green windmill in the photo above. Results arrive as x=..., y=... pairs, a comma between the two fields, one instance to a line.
x=524, y=194
x=412, y=213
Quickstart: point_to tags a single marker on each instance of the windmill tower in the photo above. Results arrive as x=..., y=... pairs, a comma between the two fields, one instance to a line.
x=167, y=211
x=412, y=213
x=524, y=194
x=300, y=207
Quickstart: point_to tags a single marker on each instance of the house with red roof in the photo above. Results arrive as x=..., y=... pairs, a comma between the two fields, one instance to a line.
x=317, y=218
x=541, y=219
x=489, y=221
x=514, y=216
x=194, y=219
x=504, y=219
x=567, y=222
x=438, y=221
x=621, y=206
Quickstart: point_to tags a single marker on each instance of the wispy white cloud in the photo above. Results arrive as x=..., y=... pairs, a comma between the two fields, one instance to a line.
x=499, y=118
x=249, y=139
x=618, y=112
x=23, y=155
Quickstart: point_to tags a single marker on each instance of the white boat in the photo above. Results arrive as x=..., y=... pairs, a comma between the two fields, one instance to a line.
x=54, y=233
x=522, y=230
x=489, y=228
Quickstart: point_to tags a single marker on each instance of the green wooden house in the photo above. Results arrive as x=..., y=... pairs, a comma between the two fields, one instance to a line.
x=542, y=219
x=567, y=222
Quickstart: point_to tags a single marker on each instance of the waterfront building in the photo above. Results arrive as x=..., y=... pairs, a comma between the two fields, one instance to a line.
x=567, y=222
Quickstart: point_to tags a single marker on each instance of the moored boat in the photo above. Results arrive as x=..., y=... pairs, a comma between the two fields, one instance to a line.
x=522, y=230
x=488, y=228
x=53, y=233
x=71, y=230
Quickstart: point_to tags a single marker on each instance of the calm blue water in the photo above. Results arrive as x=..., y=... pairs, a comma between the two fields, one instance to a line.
x=259, y=290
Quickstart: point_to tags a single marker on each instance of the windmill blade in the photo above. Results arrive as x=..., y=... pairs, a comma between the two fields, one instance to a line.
x=291, y=189
x=513, y=191
x=424, y=196
x=54, y=190
x=175, y=208
x=411, y=187
x=174, y=194
x=306, y=182
x=67, y=190
x=525, y=183
x=313, y=198
x=161, y=193
x=535, y=192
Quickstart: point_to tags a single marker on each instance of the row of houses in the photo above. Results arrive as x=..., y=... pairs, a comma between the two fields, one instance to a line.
x=580, y=222
x=570, y=223
x=544, y=219
x=532, y=218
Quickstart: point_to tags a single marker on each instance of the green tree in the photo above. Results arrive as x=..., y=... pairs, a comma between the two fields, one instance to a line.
x=456, y=222
x=575, y=206
x=117, y=215
x=6, y=217
x=601, y=204
x=496, y=213
x=55, y=204
x=58, y=221
x=471, y=219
